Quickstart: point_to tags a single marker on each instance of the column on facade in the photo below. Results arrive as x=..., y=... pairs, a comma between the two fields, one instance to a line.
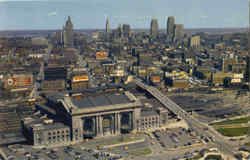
x=113, y=127
x=117, y=123
x=99, y=125
x=133, y=120
x=97, y=131
x=93, y=123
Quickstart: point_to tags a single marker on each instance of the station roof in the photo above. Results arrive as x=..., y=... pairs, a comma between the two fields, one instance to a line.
x=100, y=100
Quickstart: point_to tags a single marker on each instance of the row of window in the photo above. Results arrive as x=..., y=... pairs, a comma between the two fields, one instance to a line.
x=145, y=124
x=53, y=139
x=150, y=119
x=58, y=132
x=148, y=126
x=58, y=137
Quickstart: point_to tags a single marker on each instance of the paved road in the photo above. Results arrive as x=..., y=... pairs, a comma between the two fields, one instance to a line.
x=200, y=128
x=170, y=155
x=3, y=154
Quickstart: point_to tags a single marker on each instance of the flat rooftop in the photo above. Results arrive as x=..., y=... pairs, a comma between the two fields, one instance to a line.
x=101, y=100
x=40, y=125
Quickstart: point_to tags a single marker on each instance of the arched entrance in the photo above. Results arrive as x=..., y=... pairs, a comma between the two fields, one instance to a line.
x=126, y=122
x=89, y=127
x=108, y=124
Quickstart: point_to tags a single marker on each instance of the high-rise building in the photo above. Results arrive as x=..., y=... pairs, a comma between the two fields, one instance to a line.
x=68, y=34
x=170, y=28
x=120, y=30
x=107, y=27
x=178, y=32
x=126, y=30
x=154, y=28
x=194, y=42
x=247, y=74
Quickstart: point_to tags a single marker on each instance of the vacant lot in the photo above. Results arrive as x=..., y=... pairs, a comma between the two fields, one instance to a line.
x=141, y=152
x=235, y=121
x=234, y=132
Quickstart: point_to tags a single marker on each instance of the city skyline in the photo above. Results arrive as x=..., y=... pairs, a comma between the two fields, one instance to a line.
x=32, y=14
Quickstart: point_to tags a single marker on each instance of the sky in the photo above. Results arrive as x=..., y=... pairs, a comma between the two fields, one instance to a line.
x=92, y=14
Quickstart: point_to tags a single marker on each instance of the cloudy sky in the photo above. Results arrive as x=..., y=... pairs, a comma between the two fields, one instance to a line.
x=51, y=14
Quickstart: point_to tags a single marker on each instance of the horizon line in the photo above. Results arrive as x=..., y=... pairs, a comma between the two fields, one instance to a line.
x=116, y=28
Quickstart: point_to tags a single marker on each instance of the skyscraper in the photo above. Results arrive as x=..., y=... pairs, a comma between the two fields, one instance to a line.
x=120, y=30
x=154, y=28
x=178, y=32
x=170, y=28
x=68, y=34
x=247, y=74
x=126, y=30
x=107, y=27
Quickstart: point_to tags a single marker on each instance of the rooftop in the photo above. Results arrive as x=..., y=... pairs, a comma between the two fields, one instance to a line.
x=95, y=100
x=39, y=124
x=147, y=113
x=101, y=100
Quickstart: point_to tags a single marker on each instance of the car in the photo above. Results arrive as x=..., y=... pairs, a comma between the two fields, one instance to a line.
x=27, y=154
x=52, y=156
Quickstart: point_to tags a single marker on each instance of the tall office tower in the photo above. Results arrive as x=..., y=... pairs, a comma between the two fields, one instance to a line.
x=120, y=30
x=178, y=32
x=68, y=34
x=170, y=28
x=247, y=74
x=107, y=27
x=154, y=28
x=126, y=30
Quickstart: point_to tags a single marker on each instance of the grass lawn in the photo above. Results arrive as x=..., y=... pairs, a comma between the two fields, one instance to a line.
x=247, y=144
x=140, y=152
x=234, y=132
x=235, y=121
x=121, y=140
x=197, y=157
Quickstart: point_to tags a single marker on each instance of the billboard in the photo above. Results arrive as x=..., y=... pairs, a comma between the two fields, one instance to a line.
x=236, y=81
x=101, y=55
x=156, y=79
x=80, y=78
x=238, y=76
x=19, y=81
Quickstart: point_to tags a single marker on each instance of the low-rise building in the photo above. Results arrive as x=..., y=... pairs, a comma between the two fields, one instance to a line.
x=44, y=133
x=54, y=78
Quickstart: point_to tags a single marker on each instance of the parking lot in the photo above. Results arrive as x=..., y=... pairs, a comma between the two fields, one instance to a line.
x=160, y=141
x=175, y=138
x=61, y=153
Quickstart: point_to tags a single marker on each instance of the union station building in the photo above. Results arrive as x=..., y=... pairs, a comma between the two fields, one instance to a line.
x=98, y=113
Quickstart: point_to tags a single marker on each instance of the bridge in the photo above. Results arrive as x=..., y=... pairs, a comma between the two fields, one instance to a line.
x=200, y=128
